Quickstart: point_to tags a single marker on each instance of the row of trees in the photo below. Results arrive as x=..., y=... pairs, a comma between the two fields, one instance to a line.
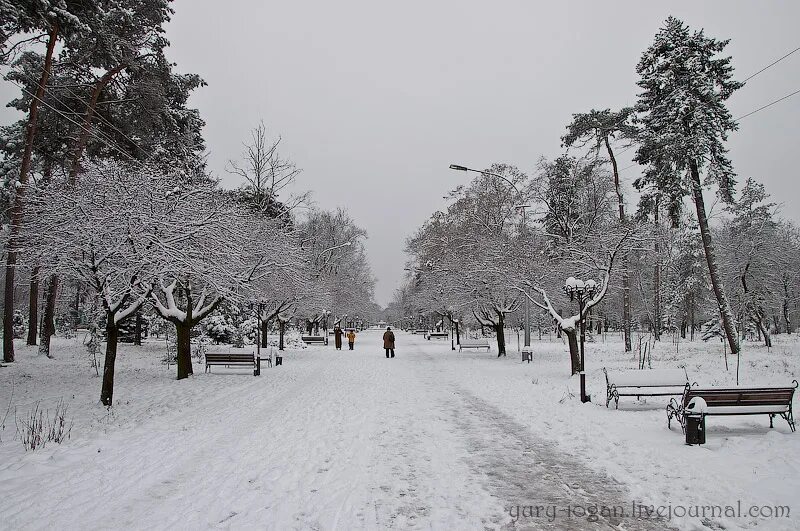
x=507, y=237
x=107, y=195
x=101, y=87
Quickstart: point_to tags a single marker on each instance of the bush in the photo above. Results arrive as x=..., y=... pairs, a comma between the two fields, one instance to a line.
x=37, y=429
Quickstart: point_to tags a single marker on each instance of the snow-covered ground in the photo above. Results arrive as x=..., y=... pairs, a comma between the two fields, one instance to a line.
x=432, y=439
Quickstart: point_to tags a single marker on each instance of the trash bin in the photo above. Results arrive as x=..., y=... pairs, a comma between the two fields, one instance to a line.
x=696, y=421
x=695, y=429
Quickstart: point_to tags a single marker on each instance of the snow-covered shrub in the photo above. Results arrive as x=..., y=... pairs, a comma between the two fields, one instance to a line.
x=219, y=329
x=248, y=330
x=291, y=340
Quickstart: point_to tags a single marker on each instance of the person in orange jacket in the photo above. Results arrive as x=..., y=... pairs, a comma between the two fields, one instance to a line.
x=351, y=338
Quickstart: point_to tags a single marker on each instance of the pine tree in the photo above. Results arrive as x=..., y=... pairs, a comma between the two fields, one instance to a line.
x=58, y=19
x=685, y=123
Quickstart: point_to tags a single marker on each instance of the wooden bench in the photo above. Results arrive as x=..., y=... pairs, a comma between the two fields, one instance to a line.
x=228, y=359
x=420, y=332
x=442, y=335
x=313, y=340
x=474, y=343
x=770, y=401
x=527, y=354
x=645, y=382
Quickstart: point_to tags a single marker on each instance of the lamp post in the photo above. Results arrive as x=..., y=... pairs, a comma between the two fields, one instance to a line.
x=325, y=314
x=583, y=291
x=527, y=306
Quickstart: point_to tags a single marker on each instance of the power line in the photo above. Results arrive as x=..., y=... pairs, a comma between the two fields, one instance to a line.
x=103, y=140
x=99, y=135
x=96, y=114
x=768, y=105
x=771, y=64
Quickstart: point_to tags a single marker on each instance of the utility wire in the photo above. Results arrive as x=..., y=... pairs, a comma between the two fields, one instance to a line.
x=767, y=105
x=100, y=138
x=771, y=65
x=96, y=114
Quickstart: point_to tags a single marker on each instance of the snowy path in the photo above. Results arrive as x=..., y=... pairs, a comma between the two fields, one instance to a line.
x=331, y=440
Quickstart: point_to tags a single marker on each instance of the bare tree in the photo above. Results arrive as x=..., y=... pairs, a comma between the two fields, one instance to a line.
x=266, y=174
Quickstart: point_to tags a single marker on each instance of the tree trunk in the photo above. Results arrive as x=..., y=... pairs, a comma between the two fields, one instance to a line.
x=574, y=350
x=112, y=333
x=711, y=260
x=501, y=338
x=756, y=314
x=785, y=308
x=184, y=348
x=137, y=330
x=458, y=334
x=33, y=306
x=48, y=329
x=86, y=126
x=17, y=210
x=763, y=330
x=264, y=331
x=657, y=280
x=626, y=305
x=281, y=329
x=77, y=315
x=626, y=283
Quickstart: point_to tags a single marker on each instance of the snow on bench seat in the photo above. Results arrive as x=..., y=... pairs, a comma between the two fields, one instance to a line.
x=645, y=382
x=770, y=401
x=745, y=410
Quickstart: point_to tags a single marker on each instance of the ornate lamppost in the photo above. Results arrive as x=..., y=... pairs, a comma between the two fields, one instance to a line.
x=325, y=315
x=583, y=291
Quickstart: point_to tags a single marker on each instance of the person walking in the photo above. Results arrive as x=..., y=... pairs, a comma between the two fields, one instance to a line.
x=351, y=338
x=337, y=336
x=388, y=341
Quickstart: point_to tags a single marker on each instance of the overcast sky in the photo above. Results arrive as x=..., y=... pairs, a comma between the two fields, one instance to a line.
x=375, y=99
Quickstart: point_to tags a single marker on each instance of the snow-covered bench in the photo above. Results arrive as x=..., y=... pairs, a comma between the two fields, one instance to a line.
x=770, y=401
x=420, y=332
x=229, y=359
x=474, y=343
x=313, y=340
x=442, y=335
x=645, y=382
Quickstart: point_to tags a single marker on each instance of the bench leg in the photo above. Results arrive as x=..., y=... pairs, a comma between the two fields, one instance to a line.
x=770, y=421
x=789, y=418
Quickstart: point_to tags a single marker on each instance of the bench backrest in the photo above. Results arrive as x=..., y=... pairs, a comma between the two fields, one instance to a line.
x=648, y=378
x=229, y=356
x=754, y=396
x=474, y=342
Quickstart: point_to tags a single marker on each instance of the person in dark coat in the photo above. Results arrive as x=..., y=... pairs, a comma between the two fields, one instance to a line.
x=388, y=341
x=337, y=335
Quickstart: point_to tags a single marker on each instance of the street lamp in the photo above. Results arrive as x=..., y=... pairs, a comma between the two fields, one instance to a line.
x=522, y=207
x=325, y=315
x=458, y=167
x=584, y=291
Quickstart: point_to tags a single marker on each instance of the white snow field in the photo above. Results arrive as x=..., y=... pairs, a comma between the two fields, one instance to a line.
x=432, y=439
